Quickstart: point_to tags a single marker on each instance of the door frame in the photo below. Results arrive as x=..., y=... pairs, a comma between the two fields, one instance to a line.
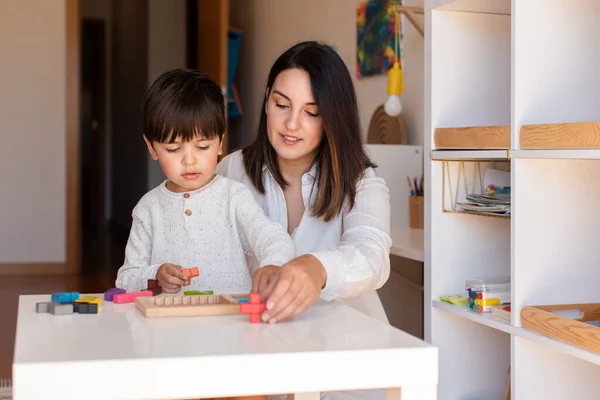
x=73, y=212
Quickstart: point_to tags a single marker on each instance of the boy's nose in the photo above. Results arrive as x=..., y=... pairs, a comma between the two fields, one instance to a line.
x=189, y=159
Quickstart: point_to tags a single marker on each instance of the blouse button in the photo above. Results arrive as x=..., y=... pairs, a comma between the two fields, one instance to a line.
x=188, y=212
x=187, y=195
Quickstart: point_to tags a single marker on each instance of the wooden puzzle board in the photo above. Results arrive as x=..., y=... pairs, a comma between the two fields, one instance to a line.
x=188, y=306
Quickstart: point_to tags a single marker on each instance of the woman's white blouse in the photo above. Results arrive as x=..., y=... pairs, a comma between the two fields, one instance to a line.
x=354, y=247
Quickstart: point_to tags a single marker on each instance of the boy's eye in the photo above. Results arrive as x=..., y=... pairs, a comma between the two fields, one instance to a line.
x=203, y=147
x=172, y=150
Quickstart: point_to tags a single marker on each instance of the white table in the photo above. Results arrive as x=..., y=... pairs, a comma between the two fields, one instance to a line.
x=119, y=354
x=408, y=243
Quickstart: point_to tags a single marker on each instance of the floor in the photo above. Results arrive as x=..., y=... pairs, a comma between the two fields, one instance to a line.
x=101, y=259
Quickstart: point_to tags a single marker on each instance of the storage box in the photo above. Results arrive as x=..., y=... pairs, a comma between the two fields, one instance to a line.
x=550, y=320
x=415, y=212
x=482, y=294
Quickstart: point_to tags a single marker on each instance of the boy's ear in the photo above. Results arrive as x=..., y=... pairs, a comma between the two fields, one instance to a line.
x=221, y=144
x=151, y=149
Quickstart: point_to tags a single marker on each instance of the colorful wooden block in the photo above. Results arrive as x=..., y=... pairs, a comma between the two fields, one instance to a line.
x=153, y=283
x=130, y=297
x=155, y=291
x=42, y=307
x=85, y=308
x=191, y=273
x=64, y=297
x=254, y=308
x=108, y=295
x=90, y=300
x=60, y=308
x=198, y=292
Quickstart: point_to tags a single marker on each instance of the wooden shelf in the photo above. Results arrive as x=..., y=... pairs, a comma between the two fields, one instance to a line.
x=571, y=135
x=505, y=326
x=575, y=154
x=469, y=155
x=475, y=6
x=472, y=137
x=484, y=319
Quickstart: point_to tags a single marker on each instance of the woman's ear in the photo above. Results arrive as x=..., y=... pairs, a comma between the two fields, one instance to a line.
x=151, y=149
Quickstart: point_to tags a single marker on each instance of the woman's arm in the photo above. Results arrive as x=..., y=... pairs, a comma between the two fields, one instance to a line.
x=360, y=263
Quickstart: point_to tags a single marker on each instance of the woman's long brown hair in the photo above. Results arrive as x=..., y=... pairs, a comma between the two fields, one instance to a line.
x=341, y=158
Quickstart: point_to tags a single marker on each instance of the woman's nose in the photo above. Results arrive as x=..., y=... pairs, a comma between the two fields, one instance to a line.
x=291, y=121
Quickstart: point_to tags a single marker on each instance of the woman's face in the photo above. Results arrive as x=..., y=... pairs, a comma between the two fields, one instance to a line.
x=294, y=123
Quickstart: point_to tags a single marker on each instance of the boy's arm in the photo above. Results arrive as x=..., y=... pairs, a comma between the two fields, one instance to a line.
x=268, y=240
x=136, y=270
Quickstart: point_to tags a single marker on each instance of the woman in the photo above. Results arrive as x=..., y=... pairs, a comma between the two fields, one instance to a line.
x=309, y=171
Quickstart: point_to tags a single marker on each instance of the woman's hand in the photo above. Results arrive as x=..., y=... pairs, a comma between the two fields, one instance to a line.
x=291, y=288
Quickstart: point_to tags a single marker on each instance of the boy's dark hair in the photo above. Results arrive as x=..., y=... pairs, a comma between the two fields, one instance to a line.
x=341, y=158
x=185, y=104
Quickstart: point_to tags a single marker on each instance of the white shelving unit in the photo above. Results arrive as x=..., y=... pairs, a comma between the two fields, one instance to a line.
x=516, y=63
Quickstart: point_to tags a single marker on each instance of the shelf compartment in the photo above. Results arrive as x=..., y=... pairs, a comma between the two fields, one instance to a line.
x=571, y=135
x=486, y=319
x=586, y=154
x=532, y=336
x=466, y=177
x=467, y=155
x=472, y=137
x=474, y=6
x=577, y=332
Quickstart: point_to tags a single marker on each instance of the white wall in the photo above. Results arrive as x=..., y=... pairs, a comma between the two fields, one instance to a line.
x=32, y=129
x=166, y=50
x=272, y=26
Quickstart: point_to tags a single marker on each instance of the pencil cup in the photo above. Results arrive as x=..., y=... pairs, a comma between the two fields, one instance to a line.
x=415, y=212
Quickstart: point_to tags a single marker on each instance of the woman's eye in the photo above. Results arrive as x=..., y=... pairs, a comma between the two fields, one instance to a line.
x=281, y=105
x=312, y=114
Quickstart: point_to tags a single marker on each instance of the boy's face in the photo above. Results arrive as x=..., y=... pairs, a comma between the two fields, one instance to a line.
x=187, y=165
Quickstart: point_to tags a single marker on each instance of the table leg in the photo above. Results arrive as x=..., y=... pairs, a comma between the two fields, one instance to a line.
x=412, y=393
x=304, y=396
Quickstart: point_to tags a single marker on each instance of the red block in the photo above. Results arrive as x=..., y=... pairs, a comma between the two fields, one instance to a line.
x=130, y=297
x=254, y=308
x=191, y=273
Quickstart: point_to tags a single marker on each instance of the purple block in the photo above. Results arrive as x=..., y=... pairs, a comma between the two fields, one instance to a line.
x=108, y=295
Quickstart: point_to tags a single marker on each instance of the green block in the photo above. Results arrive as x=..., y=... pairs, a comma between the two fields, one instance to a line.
x=197, y=292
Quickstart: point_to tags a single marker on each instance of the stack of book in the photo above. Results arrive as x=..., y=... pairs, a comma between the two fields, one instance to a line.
x=493, y=202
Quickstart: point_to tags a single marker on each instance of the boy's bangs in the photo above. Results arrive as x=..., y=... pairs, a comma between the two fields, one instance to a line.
x=190, y=124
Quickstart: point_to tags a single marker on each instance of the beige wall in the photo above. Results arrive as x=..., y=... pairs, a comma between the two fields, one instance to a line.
x=271, y=26
x=166, y=50
x=32, y=128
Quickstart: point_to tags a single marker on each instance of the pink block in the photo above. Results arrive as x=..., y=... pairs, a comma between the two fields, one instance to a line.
x=122, y=298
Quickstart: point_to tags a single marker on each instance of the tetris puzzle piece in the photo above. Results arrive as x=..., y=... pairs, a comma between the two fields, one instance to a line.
x=42, y=307
x=154, y=287
x=254, y=307
x=64, y=297
x=191, y=273
x=130, y=297
x=198, y=292
x=60, y=308
x=85, y=308
x=90, y=300
x=108, y=295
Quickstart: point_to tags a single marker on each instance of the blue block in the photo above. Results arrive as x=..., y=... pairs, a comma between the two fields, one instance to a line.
x=243, y=300
x=64, y=297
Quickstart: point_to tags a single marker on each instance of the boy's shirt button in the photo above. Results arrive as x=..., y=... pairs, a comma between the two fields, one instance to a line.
x=188, y=212
x=186, y=195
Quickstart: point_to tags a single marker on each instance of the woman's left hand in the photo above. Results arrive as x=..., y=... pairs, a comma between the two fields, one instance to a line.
x=291, y=288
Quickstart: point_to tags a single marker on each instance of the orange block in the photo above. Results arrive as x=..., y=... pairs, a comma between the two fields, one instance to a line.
x=191, y=272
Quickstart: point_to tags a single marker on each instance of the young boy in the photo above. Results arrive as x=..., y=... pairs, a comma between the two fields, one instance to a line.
x=195, y=218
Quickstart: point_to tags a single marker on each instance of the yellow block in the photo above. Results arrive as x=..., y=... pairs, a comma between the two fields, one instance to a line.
x=91, y=300
x=488, y=302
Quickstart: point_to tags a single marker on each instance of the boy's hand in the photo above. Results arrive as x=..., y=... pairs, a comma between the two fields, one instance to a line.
x=264, y=280
x=170, y=278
